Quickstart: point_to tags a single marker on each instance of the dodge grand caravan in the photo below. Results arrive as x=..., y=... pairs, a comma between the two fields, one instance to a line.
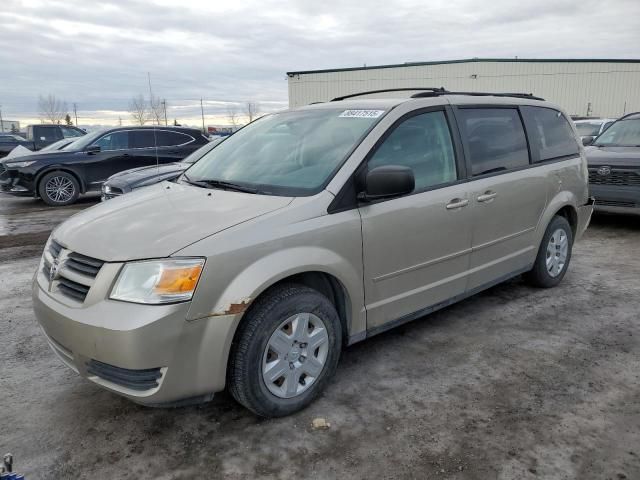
x=307, y=231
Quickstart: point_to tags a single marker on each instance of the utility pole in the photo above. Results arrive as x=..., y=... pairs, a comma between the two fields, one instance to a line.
x=1, y=124
x=150, y=94
x=164, y=107
x=75, y=112
x=202, y=111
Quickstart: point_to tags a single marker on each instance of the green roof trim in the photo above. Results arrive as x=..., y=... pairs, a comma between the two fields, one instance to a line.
x=471, y=60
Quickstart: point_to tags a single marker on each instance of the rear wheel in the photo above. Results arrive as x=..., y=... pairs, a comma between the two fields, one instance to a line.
x=286, y=351
x=59, y=188
x=553, y=256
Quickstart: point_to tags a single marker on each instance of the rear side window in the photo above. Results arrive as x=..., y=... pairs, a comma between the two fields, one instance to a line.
x=422, y=143
x=496, y=139
x=144, y=138
x=550, y=134
x=171, y=139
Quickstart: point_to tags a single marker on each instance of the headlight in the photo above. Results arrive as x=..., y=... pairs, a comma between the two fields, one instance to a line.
x=106, y=188
x=19, y=164
x=158, y=281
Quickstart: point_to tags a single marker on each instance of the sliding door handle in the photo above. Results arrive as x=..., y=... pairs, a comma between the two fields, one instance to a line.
x=487, y=196
x=457, y=203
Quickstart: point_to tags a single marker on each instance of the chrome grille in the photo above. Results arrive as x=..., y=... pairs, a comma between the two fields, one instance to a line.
x=83, y=264
x=616, y=177
x=75, y=272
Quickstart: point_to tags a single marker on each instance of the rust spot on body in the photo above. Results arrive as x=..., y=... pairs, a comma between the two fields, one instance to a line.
x=233, y=309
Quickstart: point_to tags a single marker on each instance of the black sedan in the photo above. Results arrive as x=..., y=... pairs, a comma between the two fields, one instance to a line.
x=125, y=182
x=59, y=177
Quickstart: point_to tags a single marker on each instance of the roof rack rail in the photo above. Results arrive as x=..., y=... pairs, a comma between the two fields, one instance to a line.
x=628, y=115
x=528, y=96
x=384, y=90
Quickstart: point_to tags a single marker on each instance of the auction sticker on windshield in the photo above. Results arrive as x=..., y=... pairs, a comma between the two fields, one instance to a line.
x=361, y=113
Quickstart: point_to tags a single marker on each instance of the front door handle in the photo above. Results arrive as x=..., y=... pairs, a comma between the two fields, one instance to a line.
x=487, y=196
x=457, y=203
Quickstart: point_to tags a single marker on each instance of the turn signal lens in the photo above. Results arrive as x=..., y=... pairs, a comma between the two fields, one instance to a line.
x=178, y=280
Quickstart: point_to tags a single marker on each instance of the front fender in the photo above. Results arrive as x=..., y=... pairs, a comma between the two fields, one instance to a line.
x=268, y=270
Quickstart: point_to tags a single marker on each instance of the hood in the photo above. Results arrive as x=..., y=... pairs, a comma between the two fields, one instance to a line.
x=159, y=220
x=613, y=156
x=29, y=155
x=136, y=176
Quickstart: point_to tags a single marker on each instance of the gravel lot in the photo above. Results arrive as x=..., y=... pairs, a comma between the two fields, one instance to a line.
x=514, y=383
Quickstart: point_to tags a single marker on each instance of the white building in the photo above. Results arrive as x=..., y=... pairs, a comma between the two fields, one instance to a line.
x=9, y=126
x=605, y=88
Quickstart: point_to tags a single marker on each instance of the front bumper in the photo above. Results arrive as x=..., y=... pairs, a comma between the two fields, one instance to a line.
x=15, y=183
x=121, y=346
x=616, y=198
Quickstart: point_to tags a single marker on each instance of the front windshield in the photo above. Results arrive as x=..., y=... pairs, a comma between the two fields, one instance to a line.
x=57, y=145
x=623, y=133
x=84, y=141
x=588, y=128
x=289, y=153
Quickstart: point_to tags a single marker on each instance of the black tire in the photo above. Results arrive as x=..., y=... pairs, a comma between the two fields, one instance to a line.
x=69, y=189
x=244, y=374
x=539, y=275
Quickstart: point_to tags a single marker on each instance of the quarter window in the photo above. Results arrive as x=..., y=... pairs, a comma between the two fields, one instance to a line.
x=495, y=138
x=114, y=141
x=422, y=143
x=550, y=134
x=171, y=139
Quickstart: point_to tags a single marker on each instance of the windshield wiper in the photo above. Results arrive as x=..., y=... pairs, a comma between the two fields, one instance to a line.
x=221, y=184
x=228, y=186
x=194, y=182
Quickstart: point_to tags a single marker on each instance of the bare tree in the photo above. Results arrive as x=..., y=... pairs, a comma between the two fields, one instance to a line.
x=138, y=110
x=52, y=109
x=252, y=110
x=232, y=114
x=156, y=110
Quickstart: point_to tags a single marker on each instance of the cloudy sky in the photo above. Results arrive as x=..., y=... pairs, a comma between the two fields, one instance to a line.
x=97, y=53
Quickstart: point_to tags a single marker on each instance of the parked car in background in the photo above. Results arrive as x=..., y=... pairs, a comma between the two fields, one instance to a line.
x=129, y=180
x=43, y=135
x=308, y=230
x=614, y=166
x=9, y=141
x=591, y=128
x=59, y=177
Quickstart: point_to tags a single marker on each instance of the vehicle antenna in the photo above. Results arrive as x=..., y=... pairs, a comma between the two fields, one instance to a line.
x=155, y=140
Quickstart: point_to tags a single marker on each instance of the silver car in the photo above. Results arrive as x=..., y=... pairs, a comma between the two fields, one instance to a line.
x=307, y=231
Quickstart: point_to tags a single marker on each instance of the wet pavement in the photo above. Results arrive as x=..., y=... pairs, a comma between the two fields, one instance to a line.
x=513, y=383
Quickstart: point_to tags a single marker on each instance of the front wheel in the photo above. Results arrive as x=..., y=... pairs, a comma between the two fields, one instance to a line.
x=59, y=189
x=554, y=255
x=286, y=351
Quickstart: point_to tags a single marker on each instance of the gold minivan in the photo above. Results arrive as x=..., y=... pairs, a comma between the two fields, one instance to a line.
x=306, y=231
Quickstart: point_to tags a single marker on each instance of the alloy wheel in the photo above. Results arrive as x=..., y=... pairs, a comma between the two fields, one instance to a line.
x=60, y=189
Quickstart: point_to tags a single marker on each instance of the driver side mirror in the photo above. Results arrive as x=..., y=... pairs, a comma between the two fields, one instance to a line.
x=588, y=140
x=91, y=149
x=386, y=182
